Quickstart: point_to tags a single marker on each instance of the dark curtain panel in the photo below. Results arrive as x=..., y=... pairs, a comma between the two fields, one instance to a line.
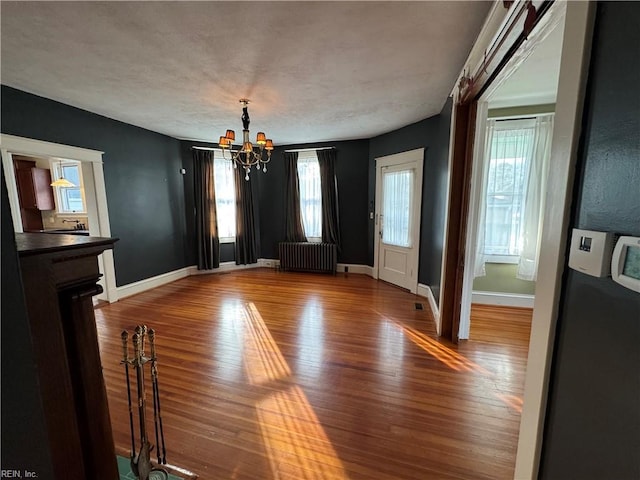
x=329, y=192
x=294, y=231
x=246, y=242
x=205, y=201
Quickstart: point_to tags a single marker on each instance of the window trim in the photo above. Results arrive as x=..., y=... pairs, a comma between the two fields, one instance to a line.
x=509, y=259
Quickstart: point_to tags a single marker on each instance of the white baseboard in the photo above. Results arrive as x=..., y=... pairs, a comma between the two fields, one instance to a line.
x=153, y=282
x=505, y=299
x=231, y=266
x=355, y=268
x=269, y=263
x=425, y=291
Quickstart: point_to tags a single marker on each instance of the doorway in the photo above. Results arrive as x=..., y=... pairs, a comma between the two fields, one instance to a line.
x=504, y=56
x=514, y=126
x=398, y=207
x=95, y=193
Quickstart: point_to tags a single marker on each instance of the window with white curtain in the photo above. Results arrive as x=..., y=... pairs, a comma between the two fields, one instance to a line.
x=225, y=188
x=310, y=196
x=509, y=167
x=396, y=207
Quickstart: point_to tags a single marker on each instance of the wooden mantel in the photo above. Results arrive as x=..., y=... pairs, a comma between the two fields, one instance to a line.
x=60, y=275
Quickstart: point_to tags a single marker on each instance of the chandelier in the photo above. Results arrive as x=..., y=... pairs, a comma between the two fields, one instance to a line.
x=247, y=156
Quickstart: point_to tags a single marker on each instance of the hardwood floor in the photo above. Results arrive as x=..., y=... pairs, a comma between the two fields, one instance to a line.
x=267, y=375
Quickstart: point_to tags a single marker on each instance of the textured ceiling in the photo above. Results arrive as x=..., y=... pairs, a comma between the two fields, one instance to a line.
x=314, y=71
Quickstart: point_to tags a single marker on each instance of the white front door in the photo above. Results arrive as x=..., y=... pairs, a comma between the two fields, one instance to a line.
x=398, y=202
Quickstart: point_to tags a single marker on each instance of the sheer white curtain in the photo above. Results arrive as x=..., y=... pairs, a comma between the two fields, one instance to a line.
x=479, y=147
x=224, y=185
x=310, y=195
x=396, y=207
x=515, y=171
x=480, y=258
x=534, y=202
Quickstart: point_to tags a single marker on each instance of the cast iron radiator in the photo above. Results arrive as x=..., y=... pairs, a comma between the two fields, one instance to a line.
x=309, y=257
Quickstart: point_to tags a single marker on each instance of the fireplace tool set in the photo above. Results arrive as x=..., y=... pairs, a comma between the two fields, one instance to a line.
x=141, y=463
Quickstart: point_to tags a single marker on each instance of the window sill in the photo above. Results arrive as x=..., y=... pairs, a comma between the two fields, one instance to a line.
x=227, y=239
x=512, y=259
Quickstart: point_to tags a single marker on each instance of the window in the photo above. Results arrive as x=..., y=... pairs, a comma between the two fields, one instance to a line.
x=396, y=207
x=510, y=156
x=69, y=199
x=225, y=188
x=310, y=196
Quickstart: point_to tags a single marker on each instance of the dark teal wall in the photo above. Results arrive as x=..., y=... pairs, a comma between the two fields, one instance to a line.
x=144, y=186
x=433, y=135
x=351, y=168
x=151, y=205
x=593, y=418
x=269, y=190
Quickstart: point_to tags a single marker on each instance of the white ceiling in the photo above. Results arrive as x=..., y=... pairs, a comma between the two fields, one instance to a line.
x=535, y=82
x=314, y=71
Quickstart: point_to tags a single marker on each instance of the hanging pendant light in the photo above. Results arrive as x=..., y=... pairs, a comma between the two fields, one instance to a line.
x=62, y=182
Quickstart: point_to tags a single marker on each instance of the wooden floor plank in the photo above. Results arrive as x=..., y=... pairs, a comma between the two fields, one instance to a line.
x=270, y=375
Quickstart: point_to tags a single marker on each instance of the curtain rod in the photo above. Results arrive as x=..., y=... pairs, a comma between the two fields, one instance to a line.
x=205, y=148
x=526, y=116
x=216, y=149
x=510, y=119
x=309, y=149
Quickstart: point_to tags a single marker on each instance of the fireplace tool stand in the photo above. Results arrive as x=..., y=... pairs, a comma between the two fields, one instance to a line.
x=141, y=463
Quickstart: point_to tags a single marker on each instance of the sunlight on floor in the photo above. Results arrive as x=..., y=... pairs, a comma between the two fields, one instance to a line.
x=295, y=442
x=311, y=339
x=449, y=357
x=512, y=401
x=453, y=360
x=262, y=358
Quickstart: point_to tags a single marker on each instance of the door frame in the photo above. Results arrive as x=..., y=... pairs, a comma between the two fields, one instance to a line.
x=576, y=54
x=574, y=69
x=477, y=178
x=411, y=156
x=93, y=173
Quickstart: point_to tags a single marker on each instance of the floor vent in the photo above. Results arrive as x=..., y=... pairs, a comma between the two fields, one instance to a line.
x=418, y=306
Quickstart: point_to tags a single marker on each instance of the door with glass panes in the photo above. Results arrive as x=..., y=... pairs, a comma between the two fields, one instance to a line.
x=399, y=187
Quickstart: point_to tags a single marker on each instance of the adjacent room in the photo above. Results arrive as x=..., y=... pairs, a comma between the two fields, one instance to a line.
x=316, y=240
